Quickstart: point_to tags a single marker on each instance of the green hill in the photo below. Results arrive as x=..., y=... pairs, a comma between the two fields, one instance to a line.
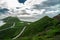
x=43, y=29
x=57, y=17
x=12, y=28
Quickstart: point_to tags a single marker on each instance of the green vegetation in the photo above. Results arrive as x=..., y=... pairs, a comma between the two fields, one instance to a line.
x=7, y=31
x=43, y=29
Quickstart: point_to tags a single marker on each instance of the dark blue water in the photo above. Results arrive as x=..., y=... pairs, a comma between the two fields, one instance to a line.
x=21, y=1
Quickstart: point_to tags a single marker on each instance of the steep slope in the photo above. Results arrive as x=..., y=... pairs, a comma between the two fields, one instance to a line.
x=57, y=17
x=38, y=26
x=12, y=28
x=43, y=29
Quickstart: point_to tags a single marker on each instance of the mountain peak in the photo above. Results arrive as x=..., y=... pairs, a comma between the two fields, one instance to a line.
x=57, y=17
x=11, y=19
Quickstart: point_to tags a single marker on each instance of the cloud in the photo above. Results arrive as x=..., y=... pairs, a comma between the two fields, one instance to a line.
x=46, y=4
x=35, y=8
x=3, y=10
x=2, y=23
x=52, y=7
x=51, y=2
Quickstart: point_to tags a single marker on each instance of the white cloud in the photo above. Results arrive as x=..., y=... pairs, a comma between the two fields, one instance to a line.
x=35, y=8
x=1, y=23
x=52, y=7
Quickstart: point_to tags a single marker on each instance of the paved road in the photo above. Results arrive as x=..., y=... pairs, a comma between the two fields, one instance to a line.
x=19, y=33
x=8, y=27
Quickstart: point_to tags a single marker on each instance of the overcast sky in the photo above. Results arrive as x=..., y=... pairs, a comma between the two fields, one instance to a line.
x=36, y=8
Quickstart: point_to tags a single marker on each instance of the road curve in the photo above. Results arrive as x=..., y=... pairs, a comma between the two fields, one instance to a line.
x=8, y=27
x=19, y=33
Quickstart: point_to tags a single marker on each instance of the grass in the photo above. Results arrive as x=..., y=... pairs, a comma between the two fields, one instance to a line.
x=43, y=29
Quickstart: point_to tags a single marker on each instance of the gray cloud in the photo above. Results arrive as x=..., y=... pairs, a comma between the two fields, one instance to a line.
x=51, y=2
x=46, y=4
x=52, y=7
x=3, y=10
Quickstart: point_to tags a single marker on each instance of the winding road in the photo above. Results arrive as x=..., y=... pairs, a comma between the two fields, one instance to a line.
x=8, y=27
x=19, y=33
x=13, y=27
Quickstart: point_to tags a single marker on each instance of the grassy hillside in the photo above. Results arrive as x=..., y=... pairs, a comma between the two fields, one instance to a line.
x=57, y=17
x=43, y=29
x=12, y=28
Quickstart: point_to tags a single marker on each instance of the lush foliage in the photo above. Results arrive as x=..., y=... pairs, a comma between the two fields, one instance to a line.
x=43, y=29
